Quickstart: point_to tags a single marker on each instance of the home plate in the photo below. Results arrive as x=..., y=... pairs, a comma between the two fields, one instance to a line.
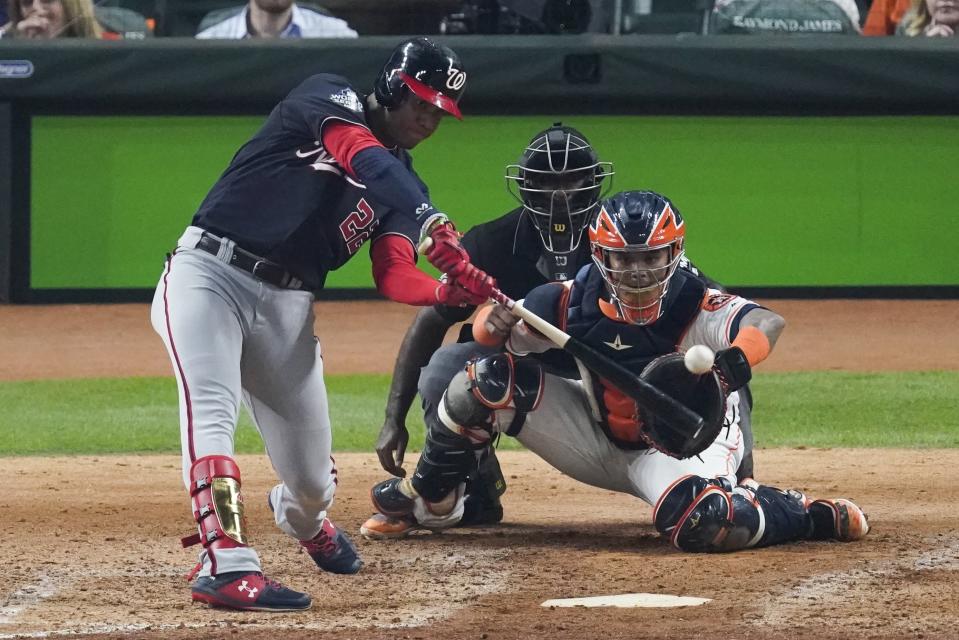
x=629, y=600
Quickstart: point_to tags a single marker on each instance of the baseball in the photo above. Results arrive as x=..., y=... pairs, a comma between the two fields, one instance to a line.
x=699, y=359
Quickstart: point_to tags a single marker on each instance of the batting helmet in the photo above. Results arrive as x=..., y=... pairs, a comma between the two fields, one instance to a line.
x=637, y=241
x=558, y=180
x=430, y=71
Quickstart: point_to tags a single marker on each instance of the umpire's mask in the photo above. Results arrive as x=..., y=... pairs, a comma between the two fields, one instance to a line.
x=559, y=180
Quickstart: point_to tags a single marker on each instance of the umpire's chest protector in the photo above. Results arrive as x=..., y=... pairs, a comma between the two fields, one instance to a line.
x=633, y=346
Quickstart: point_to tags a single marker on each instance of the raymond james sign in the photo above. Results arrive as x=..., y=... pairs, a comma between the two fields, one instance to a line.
x=16, y=69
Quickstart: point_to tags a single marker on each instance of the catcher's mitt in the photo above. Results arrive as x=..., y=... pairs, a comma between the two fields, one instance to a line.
x=705, y=394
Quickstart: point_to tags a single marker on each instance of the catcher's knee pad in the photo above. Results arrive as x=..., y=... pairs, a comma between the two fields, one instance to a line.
x=702, y=515
x=217, y=504
x=498, y=381
x=708, y=515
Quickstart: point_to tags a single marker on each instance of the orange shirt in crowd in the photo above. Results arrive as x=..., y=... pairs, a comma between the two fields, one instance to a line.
x=884, y=16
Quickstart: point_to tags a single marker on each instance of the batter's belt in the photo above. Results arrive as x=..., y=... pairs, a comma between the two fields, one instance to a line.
x=260, y=268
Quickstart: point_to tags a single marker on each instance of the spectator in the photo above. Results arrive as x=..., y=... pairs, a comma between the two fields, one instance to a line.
x=935, y=18
x=53, y=19
x=884, y=16
x=784, y=17
x=278, y=19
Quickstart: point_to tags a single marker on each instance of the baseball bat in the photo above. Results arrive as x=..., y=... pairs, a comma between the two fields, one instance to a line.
x=650, y=396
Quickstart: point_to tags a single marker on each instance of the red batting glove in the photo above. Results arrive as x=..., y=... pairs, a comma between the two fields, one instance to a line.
x=476, y=281
x=446, y=252
x=456, y=296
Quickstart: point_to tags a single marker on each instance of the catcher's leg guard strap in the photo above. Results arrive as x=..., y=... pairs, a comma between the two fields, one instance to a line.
x=217, y=504
x=708, y=515
x=446, y=460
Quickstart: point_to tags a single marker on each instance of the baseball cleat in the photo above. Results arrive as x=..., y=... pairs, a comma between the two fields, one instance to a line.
x=332, y=550
x=839, y=519
x=381, y=527
x=248, y=591
x=389, y=498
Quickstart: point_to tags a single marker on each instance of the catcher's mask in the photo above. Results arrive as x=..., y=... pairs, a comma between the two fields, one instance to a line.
x=430, y=71
x=637, y=242
x=558, y=180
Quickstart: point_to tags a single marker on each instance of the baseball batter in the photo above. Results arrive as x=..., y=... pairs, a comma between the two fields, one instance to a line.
x=635, y=305
x=328, y=171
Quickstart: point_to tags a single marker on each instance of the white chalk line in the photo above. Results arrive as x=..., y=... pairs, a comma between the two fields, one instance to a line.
x=478, y=571
x=26, y=597
x=837, y=588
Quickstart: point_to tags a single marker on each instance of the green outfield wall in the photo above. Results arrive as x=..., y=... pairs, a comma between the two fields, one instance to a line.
x=770, y=201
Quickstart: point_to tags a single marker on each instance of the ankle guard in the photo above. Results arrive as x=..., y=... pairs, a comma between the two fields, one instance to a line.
x=217, y=504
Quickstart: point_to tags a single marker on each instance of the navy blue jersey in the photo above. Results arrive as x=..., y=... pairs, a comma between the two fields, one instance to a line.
x=285, y=198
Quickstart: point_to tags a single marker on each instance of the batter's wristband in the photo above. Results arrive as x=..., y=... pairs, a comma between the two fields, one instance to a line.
x=431, y=223
x=754, y=343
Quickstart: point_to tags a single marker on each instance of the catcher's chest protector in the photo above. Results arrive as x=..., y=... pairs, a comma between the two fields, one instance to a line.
x=632, y=346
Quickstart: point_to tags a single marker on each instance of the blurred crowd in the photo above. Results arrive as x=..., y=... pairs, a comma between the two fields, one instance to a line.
x=138, y=19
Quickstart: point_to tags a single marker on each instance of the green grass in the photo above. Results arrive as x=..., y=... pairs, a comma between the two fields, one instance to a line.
x=817, y=409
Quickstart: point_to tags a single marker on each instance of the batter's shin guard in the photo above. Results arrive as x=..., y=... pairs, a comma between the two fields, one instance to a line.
x=217, y=504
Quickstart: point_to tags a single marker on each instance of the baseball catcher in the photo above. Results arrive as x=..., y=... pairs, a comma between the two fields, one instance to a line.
x=558, y=182
x=635, y=305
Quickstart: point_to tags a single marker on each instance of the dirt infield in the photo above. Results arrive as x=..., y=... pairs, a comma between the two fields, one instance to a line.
x=90, y=545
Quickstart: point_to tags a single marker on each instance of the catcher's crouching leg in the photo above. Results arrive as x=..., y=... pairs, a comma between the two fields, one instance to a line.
x=699, y=515
x=458, y=435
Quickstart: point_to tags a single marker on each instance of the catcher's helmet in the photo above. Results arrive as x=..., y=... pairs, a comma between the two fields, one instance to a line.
x=430, y=71
x=558, y=180
x=637, y=242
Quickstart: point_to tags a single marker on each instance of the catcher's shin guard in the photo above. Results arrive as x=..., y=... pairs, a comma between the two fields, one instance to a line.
x=217, y=504
x=459, y=431
x=708, y=515
x=446, y=460
x=484, y=487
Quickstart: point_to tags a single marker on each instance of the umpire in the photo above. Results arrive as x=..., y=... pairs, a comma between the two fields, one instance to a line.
x=558, y=182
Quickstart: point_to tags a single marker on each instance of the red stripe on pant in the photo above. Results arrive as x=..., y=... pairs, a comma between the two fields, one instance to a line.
x=176, y=359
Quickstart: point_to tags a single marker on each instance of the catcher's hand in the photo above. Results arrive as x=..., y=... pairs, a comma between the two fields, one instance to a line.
x=391, y=446
x=705, y=394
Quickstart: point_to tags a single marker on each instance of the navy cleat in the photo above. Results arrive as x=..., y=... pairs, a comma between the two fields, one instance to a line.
x=332, y=550
x=248, y=591
x=390, y=500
